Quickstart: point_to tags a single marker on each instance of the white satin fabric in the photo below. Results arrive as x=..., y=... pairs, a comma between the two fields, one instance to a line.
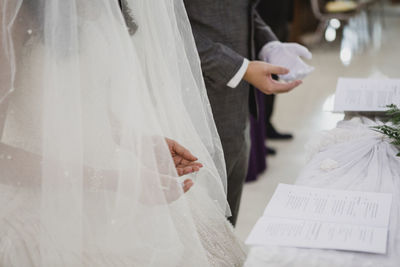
x=349, y=157
x=86, y=176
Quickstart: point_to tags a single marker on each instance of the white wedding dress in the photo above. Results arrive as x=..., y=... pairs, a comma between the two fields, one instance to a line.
x=86, y=176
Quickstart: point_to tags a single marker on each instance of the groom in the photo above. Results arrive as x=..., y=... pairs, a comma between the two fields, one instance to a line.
x=229, y=34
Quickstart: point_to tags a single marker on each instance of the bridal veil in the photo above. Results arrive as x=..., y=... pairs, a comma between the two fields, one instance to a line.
x=85, y=106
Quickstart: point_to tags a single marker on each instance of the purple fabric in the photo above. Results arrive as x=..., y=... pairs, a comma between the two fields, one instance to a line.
x=258, y=153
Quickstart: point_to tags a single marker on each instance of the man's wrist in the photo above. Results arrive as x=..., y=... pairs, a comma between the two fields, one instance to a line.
x=238, y=77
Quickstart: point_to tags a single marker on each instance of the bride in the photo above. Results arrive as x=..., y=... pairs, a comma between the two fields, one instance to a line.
x=96, y=109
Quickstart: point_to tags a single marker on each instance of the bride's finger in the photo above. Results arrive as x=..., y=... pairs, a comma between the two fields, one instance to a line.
x=183, y=164
x=183, y=152
x=187, y=184
x=183, y=161
x=188, y=169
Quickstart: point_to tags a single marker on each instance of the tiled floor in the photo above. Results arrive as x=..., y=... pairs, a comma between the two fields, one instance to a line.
x=302, y=111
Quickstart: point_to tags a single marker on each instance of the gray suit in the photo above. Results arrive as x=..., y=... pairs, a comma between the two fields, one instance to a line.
x=226, y=32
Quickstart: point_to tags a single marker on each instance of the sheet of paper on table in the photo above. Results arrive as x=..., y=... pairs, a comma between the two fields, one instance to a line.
x=307, y=217
x=369, y=95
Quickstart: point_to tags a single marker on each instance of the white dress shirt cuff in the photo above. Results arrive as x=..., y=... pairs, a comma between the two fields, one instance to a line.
x=234, y=82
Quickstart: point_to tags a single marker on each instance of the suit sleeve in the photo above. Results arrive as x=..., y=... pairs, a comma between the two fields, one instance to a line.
x=262, y=32
x=219, y=63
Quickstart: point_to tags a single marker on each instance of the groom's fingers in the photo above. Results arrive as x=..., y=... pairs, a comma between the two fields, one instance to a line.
x=283, y=87
x=273, y=69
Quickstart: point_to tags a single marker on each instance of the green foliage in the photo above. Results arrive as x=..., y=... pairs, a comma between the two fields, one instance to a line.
x=393, y=129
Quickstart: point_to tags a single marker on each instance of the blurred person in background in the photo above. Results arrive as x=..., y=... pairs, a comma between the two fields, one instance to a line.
x=278, y=15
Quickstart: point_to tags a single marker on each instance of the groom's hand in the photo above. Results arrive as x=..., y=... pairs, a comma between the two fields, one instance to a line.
x=184, y=161
x=288, y=55
x=259, y=74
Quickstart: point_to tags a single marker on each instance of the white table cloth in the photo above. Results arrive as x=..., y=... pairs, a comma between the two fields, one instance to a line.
x=349, y=157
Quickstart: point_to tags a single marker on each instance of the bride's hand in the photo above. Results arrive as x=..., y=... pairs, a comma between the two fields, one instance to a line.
x=187, y=184
x=184, y=161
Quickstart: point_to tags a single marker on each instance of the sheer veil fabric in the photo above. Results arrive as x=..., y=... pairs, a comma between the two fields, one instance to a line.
x=168, y=53
x=86, y=176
